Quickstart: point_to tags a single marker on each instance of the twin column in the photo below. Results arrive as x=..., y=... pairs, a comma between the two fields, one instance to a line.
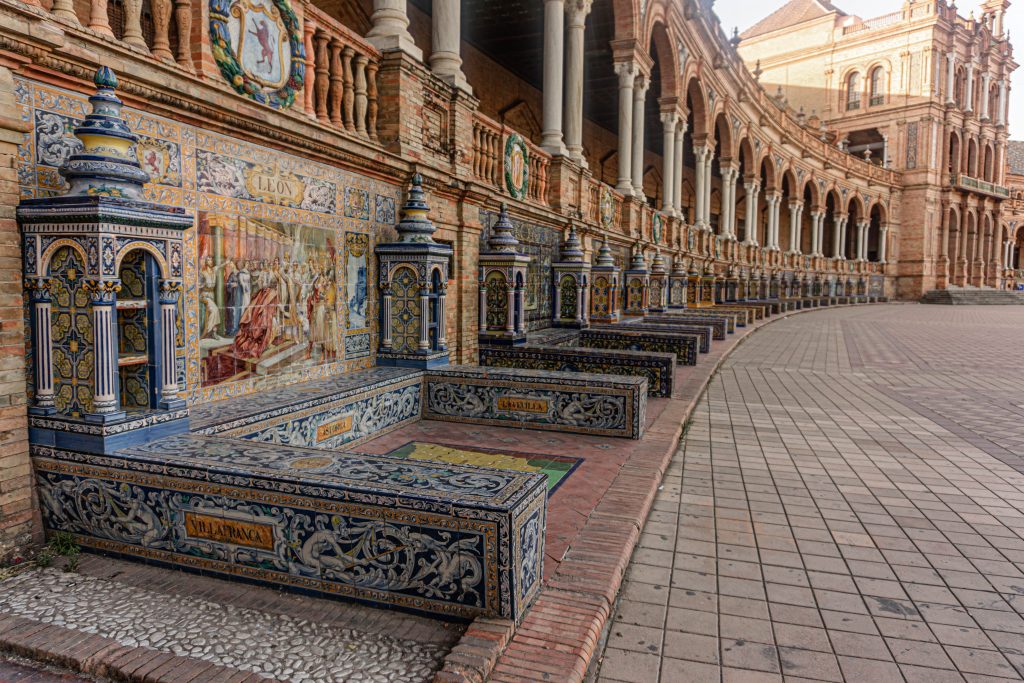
x=555, y=31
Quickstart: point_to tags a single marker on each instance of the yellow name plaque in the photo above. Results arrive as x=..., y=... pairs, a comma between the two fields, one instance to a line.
x=329, y=430
x=516, y=404
x=232, y=531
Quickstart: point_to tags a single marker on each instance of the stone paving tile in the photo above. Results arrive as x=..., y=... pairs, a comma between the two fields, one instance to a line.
x=847, y=505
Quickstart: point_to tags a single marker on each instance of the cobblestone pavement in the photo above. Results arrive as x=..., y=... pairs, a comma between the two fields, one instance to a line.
x=846, y=505
x=283, y=636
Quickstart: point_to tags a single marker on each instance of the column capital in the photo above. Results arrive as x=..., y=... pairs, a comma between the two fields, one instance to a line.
x=102, y=292
x=640, y=86
x=38, y=289
x=669, y=120
x=577, y=10
x=627, y=73
x=817, y=214
x=796, y=204
x=169, y=292
x=751, y=186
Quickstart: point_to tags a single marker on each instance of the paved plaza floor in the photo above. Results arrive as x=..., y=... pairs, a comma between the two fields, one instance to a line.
x=847, y=504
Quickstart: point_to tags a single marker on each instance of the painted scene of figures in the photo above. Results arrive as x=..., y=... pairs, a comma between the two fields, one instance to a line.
x=267, y=297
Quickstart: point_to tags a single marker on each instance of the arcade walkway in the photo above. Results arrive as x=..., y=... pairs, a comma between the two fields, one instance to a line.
x=848, y=504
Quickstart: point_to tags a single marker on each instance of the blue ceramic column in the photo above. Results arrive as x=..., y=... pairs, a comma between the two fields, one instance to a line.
x=442, y=319
x=169, y=390
x=106, y=404
x=39, y=295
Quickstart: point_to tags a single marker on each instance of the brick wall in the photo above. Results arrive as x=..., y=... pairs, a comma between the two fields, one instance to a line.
x=19, y=517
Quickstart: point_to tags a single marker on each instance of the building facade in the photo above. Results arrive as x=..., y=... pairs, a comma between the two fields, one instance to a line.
x=289, y=131
x=922, y=91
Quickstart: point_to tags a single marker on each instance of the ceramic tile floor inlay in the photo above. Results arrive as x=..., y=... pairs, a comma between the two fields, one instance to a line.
x=557, y=468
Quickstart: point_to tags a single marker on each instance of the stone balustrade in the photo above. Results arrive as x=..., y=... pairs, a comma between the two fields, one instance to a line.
x=341, y=76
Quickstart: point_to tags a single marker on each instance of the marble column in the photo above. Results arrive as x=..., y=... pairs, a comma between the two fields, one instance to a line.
x=708, y=159
x=883, y=244
x=627, y=75
x=576, y=11
x=554, y=48
x=986, y=78
x=42, y=344
x=1001, y=114
x=862, y=242
x=729, y=175
x=446, y=42
x=750, y=220
x=168, y=297
x=842, y=236
x=837, y=236
x=816, y=220
x=774, y=204
x=677, y=176
x=103, y=300
x=668, y=163
x=700, y=153
x=640, y=86
x=796, y=210
x=969, y=97
x=390, y=28
x=950, y=78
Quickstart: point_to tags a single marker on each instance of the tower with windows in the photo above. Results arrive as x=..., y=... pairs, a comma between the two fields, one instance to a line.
x=103, y=269
x=413, y=284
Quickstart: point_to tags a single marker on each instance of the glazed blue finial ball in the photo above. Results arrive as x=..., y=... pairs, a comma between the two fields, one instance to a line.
x=105, y=78
x=417, y=180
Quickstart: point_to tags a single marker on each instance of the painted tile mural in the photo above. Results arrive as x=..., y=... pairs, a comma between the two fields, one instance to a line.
x=278, y=264
x=267, y=297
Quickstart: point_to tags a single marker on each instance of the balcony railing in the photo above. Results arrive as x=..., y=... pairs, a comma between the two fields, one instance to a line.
x=489, y=155
x=968, y=183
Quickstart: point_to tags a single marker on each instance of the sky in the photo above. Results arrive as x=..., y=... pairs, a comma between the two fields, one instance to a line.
x=739, y=13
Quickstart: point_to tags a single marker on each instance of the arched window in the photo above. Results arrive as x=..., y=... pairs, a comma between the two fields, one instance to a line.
x=877, y=86
x=853, y=91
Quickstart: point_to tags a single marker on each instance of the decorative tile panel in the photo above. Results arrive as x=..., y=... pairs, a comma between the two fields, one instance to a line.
x=552, y=401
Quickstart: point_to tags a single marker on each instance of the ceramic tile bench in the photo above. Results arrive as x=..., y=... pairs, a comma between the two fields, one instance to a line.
x=328, y=413
x=683, y=345
x=719, y=324
x=658, y=368
x=733, y=319
x=578, y=402
x=703, y=332
x=446, y=539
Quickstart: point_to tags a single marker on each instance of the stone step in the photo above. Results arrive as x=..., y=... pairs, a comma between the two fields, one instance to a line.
x=974, y=297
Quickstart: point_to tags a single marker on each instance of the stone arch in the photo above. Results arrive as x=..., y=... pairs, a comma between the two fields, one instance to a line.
x=697, y=105
x=747, y=157
x=811, y=193
x=972, y=157
x=51, y=249
x=953, y=148
x=161, y=262
x=724, y=136
x=660, y=47
x=627, y=13
x=768, y=173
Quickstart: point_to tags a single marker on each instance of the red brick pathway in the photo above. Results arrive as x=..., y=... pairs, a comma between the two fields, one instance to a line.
x=24, y=671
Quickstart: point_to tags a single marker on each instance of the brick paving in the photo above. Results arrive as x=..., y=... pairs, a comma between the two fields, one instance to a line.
x=846, y=505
